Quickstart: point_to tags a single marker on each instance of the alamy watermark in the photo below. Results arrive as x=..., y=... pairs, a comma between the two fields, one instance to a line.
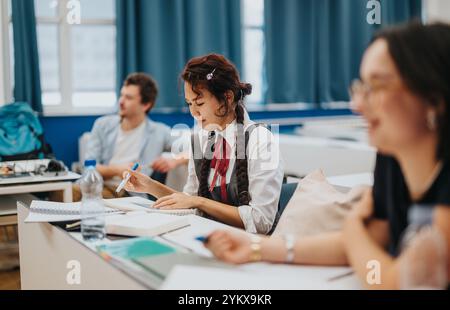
x=73, y=10
x=374, y=14
x=73, y=277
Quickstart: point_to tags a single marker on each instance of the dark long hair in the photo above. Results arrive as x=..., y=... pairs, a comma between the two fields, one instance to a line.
x=224, y=78
x=422, y=56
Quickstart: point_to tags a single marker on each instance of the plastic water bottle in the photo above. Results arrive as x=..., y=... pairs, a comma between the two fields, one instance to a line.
x=92, y=208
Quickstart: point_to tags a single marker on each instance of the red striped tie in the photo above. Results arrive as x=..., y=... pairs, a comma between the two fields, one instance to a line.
x=220, y=163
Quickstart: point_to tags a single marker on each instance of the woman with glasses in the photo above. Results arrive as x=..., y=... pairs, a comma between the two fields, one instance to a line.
x=404, y=94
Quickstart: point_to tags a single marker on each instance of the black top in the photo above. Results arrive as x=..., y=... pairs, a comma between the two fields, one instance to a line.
x=392, y=200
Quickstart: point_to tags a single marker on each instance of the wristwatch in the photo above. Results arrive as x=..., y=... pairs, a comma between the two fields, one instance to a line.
x=290, y=242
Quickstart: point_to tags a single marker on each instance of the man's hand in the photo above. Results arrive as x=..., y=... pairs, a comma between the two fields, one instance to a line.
x=164, y=165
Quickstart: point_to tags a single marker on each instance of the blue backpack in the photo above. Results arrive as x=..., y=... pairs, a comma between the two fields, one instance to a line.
x=21, y=134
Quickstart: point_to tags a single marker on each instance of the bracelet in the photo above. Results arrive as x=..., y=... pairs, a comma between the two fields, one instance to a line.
x=290, y=242
x=255, y=246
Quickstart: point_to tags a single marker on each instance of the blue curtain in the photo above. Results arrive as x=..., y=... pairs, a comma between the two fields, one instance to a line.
x=314, y=47
x=160, y=36
x=27, y=83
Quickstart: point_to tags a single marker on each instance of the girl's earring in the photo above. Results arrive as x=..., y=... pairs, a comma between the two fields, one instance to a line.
x=431, y=120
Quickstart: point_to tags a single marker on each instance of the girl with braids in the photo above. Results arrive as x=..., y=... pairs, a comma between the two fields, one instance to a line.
x=235, y=172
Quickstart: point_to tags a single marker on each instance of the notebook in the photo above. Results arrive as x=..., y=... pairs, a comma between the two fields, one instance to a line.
x=141, y=204
x=134, y=248
x=141, y=223
x=48, y=211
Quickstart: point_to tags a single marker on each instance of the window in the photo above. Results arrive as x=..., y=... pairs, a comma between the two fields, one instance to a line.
x=77, y=57
x=86, y=76
x=254, y=48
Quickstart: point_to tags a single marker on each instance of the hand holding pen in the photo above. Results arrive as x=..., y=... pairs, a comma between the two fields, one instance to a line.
x=126, y=178
x=136, y=182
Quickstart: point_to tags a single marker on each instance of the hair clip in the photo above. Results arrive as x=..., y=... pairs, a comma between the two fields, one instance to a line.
x=209, y=76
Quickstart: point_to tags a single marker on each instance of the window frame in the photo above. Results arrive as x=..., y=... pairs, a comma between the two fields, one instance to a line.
x=66, y=107
x=66, y=67
x=245, y=28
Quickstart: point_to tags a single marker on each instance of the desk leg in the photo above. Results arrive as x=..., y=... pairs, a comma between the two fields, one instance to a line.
x=67, y=193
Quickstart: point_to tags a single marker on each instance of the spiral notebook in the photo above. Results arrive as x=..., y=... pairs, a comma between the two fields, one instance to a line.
x=141, y=204
x=48, y=211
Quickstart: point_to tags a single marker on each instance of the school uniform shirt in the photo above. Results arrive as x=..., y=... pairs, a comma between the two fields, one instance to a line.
x=392, y=200
x=265, y=174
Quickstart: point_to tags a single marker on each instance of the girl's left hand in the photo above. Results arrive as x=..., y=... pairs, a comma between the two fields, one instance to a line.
x=176, y=201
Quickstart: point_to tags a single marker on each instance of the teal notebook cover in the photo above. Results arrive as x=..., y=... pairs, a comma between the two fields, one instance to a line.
x=134, y=248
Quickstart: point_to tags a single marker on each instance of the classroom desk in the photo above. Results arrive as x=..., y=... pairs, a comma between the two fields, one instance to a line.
x=36, y=184
x=46, y=251
x=28, y=185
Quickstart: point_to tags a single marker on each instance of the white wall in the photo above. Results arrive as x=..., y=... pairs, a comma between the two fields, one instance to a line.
x=437, y=10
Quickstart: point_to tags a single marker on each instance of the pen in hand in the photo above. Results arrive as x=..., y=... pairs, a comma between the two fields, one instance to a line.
x=126, y=179
x=202, y=239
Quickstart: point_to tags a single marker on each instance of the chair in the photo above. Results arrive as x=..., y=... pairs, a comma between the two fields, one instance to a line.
x=287, y=191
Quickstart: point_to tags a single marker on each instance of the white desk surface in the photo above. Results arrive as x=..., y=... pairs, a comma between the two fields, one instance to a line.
x=45, y=251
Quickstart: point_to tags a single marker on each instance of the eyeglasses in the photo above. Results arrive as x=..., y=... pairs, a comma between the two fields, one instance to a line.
x=359, y=90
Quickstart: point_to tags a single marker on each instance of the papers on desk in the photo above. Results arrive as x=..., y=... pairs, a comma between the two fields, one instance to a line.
x=199, y=227
x=48, y=211
x=258, y=277
x=162, y=265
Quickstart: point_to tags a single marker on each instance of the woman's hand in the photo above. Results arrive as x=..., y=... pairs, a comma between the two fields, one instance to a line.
x=177, y=201
x=231, y=247
x=138, y=183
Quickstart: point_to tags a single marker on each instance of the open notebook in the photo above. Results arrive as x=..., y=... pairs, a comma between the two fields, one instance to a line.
x=141, y=204
x=141, y=223
x=48, y=211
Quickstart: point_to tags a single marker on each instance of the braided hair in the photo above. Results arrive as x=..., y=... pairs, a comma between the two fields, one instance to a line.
x=225, y=78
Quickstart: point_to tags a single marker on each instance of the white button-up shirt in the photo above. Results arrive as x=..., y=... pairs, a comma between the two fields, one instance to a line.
x=265, y=174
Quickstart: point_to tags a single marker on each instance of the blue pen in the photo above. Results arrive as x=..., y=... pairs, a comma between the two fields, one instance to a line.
x=202, y=239
x=127, y=178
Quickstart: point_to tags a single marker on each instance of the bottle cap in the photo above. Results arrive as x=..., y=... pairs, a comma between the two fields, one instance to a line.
x=90, y=163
